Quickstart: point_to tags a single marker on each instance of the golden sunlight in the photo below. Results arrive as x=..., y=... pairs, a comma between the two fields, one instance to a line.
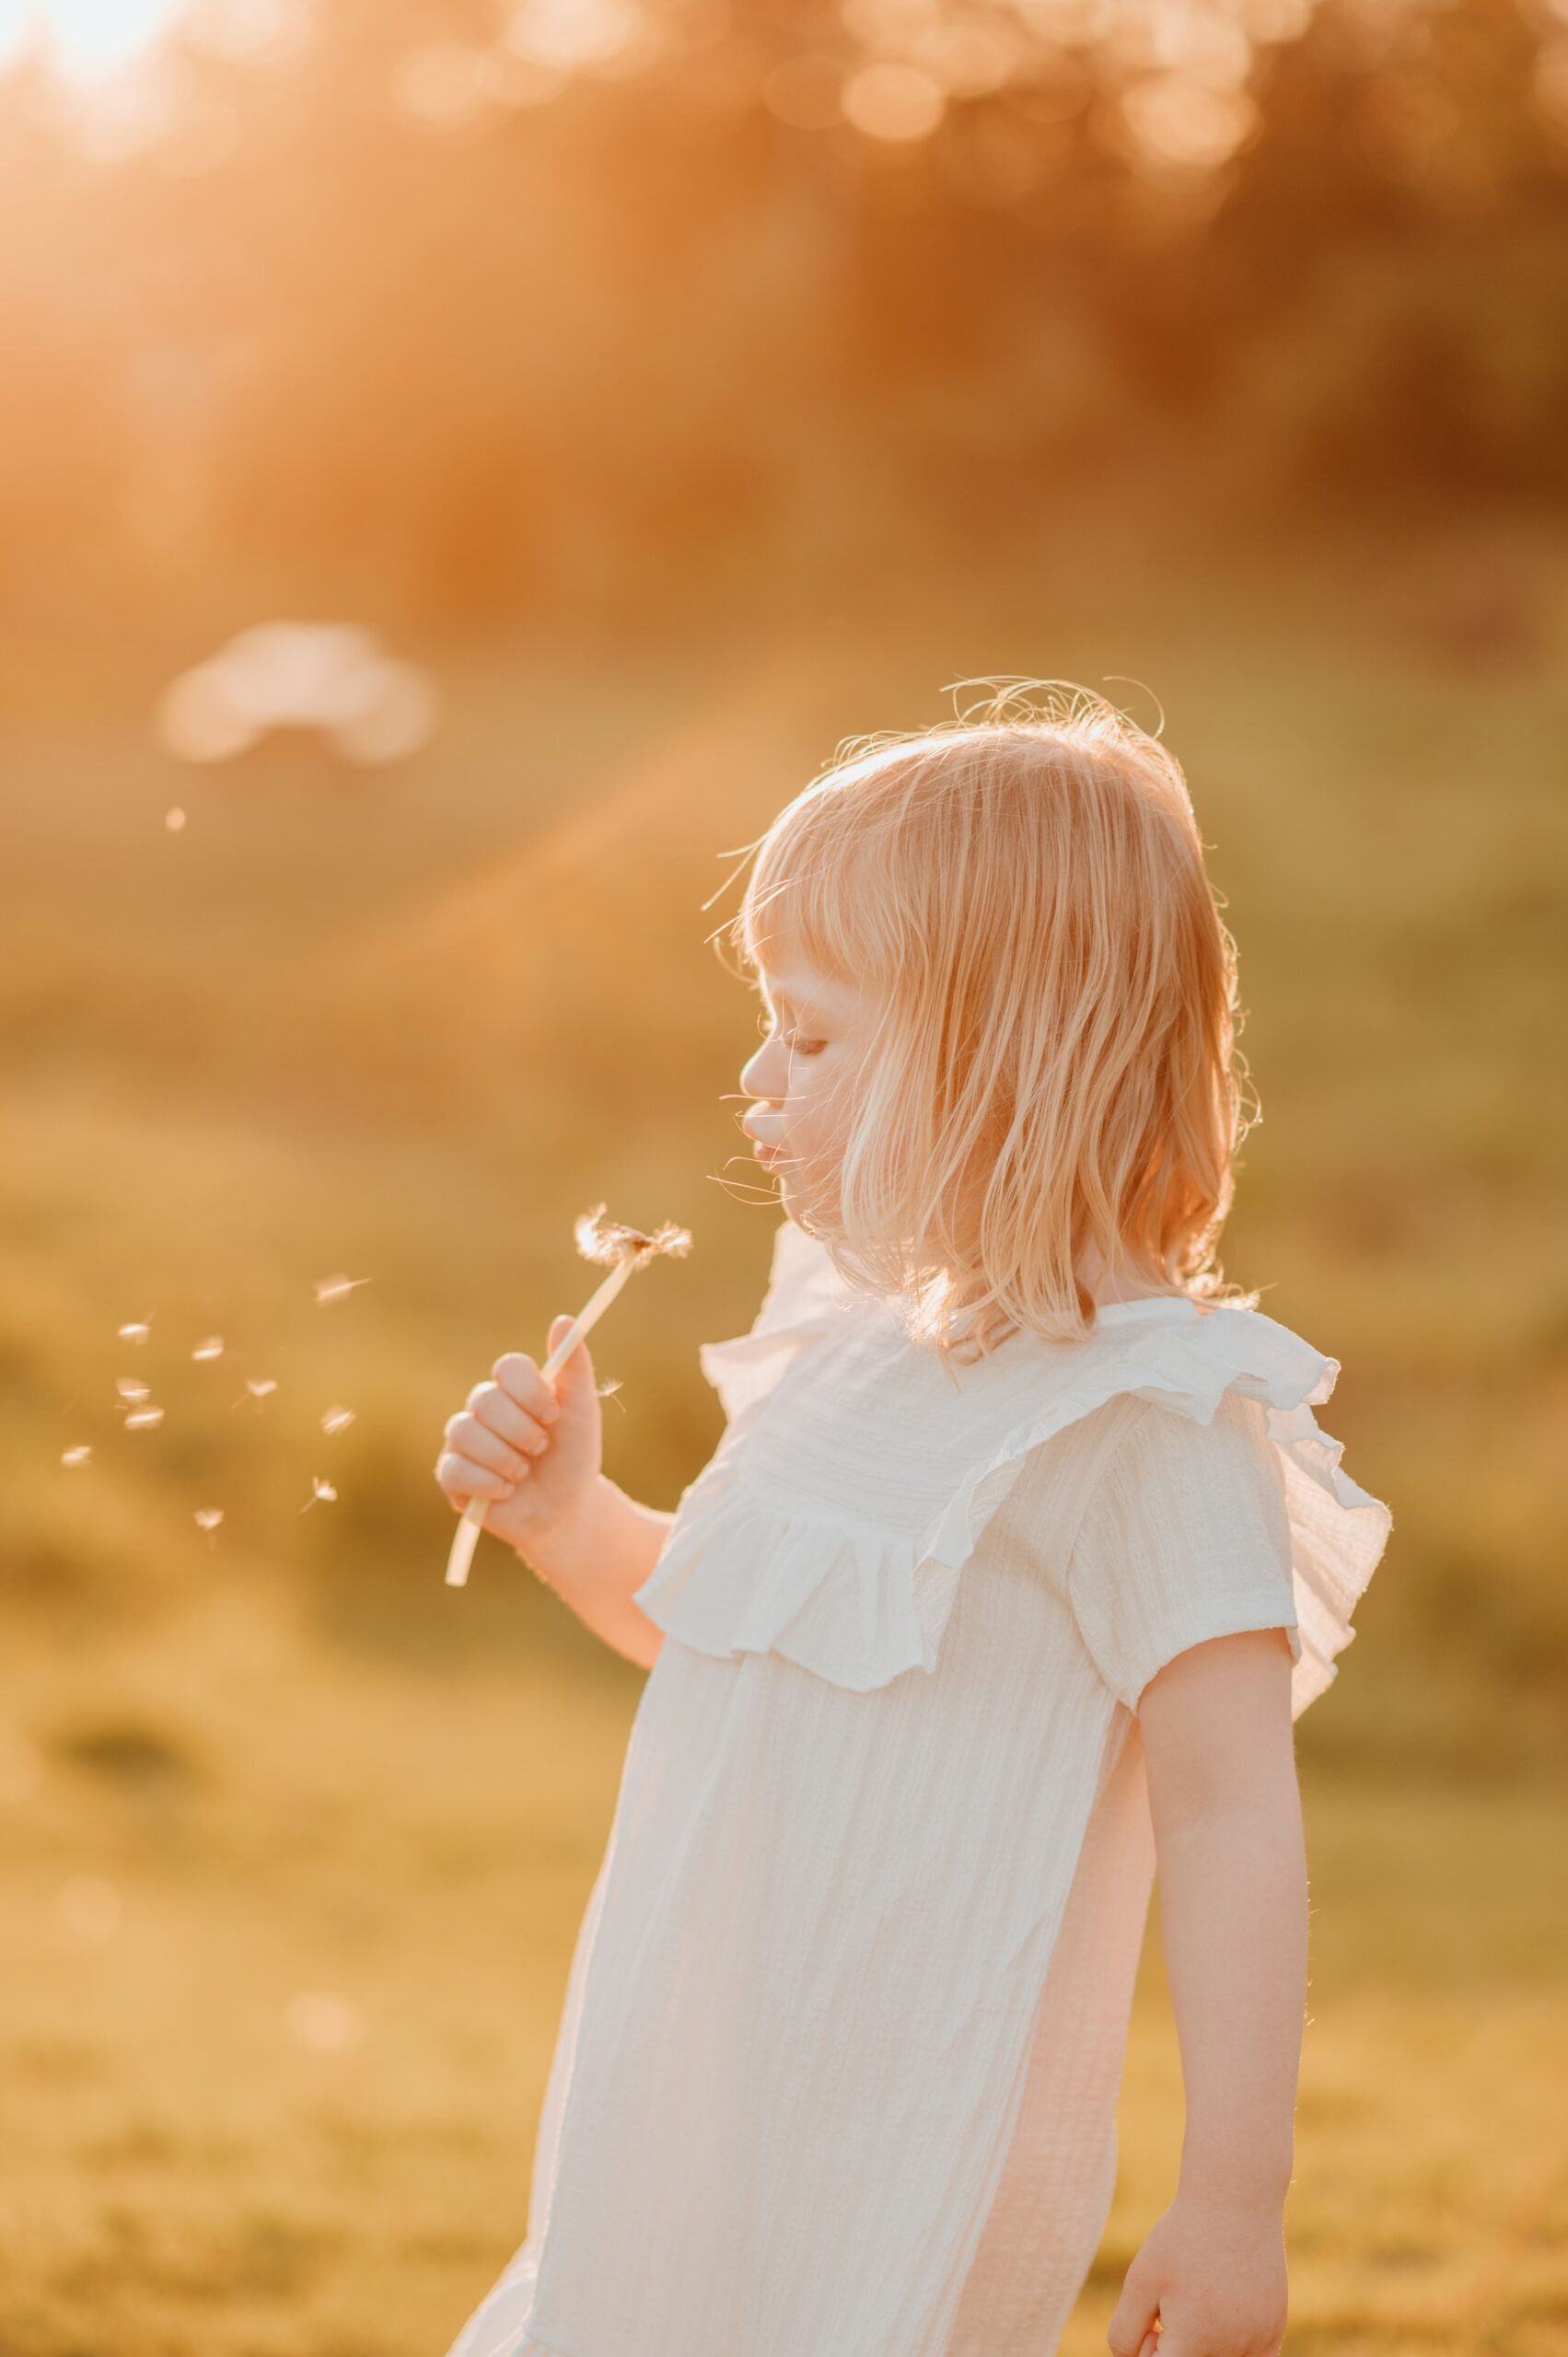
x=85, y=39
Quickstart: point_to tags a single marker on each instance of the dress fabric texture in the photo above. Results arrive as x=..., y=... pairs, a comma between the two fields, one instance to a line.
x=843, y=2029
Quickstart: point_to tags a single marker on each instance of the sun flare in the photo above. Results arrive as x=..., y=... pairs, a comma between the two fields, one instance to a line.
x=87, y=40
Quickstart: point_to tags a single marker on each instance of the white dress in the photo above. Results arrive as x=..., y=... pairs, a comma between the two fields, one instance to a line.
x=843, y=2030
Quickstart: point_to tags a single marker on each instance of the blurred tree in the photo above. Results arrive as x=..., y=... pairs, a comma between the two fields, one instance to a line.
x=571, y=306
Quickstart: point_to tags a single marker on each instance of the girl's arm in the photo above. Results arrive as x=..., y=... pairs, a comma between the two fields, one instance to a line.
x=596, y=1557
x=1226, y=1812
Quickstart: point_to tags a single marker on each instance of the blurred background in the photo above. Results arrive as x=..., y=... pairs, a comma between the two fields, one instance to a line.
x=462, y=468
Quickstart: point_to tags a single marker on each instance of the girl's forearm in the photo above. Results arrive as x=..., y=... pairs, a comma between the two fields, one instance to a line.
x=1232, y=1921
x=595, y=1562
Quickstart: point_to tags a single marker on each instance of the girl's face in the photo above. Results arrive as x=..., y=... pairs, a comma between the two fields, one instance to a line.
x=802, y=1077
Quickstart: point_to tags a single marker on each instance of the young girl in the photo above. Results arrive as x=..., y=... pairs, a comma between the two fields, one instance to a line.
x=1019, y=1555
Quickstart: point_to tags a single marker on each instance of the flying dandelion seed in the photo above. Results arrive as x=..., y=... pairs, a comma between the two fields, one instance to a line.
x=334, y=1288
x=136, y=1333
x=143, y=1419
x=336, y=1419
x=130, y=1386
x=210, y=1349
x=174, y=820
x=82, y=1455
x=261, y=1387
x=208, y=1517
x=318, y=1489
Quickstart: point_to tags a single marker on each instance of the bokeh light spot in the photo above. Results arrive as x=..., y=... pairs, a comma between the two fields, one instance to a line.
x=1177, y=122
x=567, y=33
x=87, y=40
x=894, y=102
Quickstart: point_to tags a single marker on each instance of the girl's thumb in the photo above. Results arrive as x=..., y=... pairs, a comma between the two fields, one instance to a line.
x=558, y=1329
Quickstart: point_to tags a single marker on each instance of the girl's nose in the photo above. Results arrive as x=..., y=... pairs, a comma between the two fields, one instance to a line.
x=752, y=1076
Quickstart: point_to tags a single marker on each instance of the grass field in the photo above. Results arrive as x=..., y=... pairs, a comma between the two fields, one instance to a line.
x=278, y=2093
x=295, y=1841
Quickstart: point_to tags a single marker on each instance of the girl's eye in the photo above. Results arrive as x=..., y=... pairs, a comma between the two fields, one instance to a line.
x=792, y=1041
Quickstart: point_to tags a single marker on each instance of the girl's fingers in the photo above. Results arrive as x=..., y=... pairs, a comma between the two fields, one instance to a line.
x=500, y=1414
x=467, y=1436
x=462, y=1478
x=522, y=1383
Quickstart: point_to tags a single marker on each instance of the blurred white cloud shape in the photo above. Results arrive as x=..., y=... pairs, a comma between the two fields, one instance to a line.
x=331, y=676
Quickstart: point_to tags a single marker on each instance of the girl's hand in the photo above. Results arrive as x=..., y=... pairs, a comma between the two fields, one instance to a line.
x=1213, y=2272
x=533, y=1450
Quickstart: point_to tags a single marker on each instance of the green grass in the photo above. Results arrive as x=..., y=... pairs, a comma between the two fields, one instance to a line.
x=406, y=1027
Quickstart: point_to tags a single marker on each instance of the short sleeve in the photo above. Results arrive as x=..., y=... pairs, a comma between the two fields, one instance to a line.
x=1186, y=1535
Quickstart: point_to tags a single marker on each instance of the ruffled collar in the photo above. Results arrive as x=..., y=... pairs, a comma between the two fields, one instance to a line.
x=847, y=1561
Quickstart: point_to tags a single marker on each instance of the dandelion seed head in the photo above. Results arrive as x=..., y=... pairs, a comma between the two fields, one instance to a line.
x=130, y=1386
x=80, y=1455
x=208, y=1517
x=337, y=1419
x=143, y=1419
x=260, y=1386
x=210, y=1349
x=136, y=1332
x=606, y=1240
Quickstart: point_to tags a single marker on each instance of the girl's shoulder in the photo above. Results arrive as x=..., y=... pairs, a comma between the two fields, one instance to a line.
x=856, y=1476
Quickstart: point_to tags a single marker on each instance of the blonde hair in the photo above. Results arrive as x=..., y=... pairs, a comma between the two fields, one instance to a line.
x=1024, y=898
